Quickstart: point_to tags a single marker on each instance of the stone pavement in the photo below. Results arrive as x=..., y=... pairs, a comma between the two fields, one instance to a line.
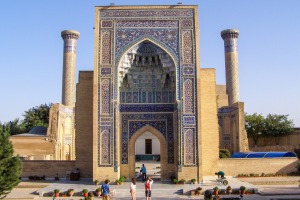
x=164, y=191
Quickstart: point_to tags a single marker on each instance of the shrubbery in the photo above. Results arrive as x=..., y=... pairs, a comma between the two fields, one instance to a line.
x=224, y=153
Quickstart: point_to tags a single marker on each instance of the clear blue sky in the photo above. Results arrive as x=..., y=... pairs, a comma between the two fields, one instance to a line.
x=31, y=49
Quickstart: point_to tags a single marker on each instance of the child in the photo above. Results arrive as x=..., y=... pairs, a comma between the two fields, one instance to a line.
x=133, y=189
x=148, y=184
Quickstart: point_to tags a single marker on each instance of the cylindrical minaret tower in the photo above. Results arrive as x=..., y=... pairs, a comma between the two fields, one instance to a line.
x=231, y=63
x=70, y=38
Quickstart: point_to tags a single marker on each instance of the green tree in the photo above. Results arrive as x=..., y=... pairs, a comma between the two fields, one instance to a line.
x=10, y=166
x=2, y=128
x=278, y=125
x=255, y=126
x=14, y=127
x=37, y=116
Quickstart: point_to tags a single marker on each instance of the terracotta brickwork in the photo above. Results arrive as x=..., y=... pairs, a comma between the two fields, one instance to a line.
x=285, y=143
x=233, y=167
x=209, y=132
x=61, y=131
x=50, y=169
x=222, y=97
x=233, y=135
x=32, y=146
x=231, y=64
x=70, y=38
x=84, y=123
x=188, y=173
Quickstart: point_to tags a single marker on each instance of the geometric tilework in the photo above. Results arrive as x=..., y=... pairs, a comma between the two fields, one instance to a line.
x=112, y=14
x=168, y=36
x=189, y=120
x=187, y=47
x=172, y=30
x=147, y=108
x=189, y=147
x=131, y=123
x=188, y=103
x=188, y=70
x=105, y=144
x=105, y=71
x=136, y=125
x=186, y=23
x=105, y=96
x=106, y=24
x=146, y=23
x=106, y=48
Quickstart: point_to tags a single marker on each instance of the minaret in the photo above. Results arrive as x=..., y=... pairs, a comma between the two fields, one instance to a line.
x=231, y=63
x=70, y=38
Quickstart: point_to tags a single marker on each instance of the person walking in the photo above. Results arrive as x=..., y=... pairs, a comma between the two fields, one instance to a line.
x=144, y=172
x=105, y=190
x=148, y=184
x=133, y=189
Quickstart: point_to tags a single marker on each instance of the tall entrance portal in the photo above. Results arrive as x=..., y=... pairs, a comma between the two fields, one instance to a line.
x=146, y=75
x=147, y=78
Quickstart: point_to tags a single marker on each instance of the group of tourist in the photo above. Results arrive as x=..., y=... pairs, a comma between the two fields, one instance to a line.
x=148, y=182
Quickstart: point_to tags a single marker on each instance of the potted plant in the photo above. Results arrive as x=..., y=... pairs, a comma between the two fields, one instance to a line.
x=117, y=182
x=64, y=194
x=207, y=195
x=85, y=192
x=228, y=189
x=193, y=180
x=181, y=181
x=198, y=191
x=122, y=179
x=90, y=196
x=98, y=192
x=70, y=192
x=242, y=189
x=175, y=180
x=56, y=192
x=96, y=182
x=216, y=191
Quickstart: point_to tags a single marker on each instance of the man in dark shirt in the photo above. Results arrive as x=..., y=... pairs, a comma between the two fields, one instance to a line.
x=144, y=173
x=220, y=174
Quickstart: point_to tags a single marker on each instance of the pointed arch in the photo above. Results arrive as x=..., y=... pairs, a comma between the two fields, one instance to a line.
x=136, y=42
x=163, y=149
x=140, y=40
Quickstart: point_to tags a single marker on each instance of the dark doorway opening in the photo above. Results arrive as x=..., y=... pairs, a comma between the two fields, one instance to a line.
x=148, y=146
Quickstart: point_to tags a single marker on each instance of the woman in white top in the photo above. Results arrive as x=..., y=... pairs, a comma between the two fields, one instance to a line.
x=133, y=188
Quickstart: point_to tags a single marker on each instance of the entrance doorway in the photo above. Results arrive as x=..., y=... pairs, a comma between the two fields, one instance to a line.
x=148, y=146
x=156, y=163
x=147, y=152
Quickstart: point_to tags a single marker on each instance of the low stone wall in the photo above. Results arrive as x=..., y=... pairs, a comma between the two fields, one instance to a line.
x=235, y=166
x=292, y=140
x=48, y=168
x=274, y=148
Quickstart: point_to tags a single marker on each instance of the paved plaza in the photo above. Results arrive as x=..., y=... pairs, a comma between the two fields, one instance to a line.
x=164, y=191
x=266, y=187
